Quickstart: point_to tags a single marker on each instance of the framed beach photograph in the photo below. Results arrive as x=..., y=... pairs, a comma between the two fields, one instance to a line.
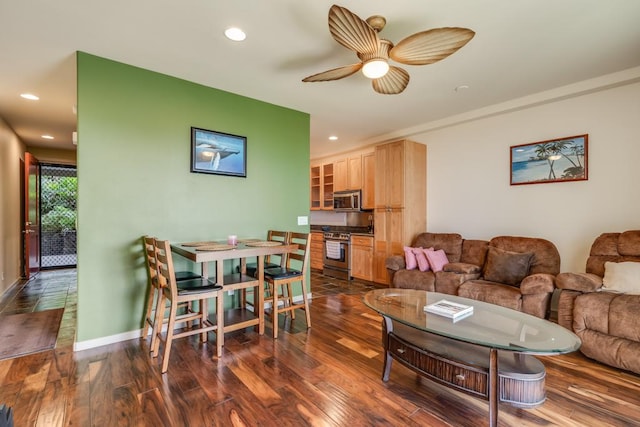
x=218, y=153
x=555, y=160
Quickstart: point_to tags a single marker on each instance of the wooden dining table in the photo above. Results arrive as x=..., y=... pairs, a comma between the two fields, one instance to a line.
x=206, y=252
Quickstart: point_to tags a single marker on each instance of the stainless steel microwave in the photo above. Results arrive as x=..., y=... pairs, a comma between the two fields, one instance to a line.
x=347, y=201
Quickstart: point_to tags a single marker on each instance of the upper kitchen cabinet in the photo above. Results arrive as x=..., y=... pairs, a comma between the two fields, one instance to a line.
x=354, y=170
x=327, y=186
x=322, y=181
x=368, y=180
x=348, y=173
x=316, y=187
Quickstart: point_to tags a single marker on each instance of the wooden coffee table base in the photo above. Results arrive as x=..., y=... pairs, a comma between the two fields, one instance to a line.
x=466, y=367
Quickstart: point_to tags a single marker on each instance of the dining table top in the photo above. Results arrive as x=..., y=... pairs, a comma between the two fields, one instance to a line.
x=220, y=250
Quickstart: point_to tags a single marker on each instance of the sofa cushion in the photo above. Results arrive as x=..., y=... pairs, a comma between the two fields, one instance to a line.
x=437, y=259
x=415, y=279
x=629, y=243
x=410, y=258
x=451, y=243
x=506, y=267
x=494, y=293
x=622, y=277
x=546, y=258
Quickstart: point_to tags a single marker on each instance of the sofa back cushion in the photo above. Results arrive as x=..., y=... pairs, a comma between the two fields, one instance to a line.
x=546, y=258
x=450, y=243
x=613, y=247
x=474, y=252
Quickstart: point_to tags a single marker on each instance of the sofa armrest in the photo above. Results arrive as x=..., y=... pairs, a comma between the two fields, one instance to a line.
x=395, y=263
x=540, y=283
x=583, y=282
x=461, y=268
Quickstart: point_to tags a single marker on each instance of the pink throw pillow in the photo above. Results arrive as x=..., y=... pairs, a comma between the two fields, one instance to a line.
x=423, y=264
x=410, y=258
x=437, y=259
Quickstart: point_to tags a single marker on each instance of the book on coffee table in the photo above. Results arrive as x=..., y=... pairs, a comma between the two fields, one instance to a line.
x=450, y=309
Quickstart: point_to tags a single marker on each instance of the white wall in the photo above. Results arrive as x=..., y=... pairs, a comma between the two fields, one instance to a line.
x=468, y=176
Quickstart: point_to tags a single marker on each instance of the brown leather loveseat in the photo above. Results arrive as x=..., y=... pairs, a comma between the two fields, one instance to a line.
x=514, y=272
x=602, y=305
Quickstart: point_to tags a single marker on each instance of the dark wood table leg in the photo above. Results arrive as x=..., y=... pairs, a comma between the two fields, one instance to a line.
x=493, y=387
x=387, y=328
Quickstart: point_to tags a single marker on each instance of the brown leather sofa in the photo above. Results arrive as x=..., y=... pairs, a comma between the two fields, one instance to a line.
x=607, y=322
x=514, y=272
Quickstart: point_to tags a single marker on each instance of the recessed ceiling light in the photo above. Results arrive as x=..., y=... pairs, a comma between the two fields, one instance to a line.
x=333, y=138
x=461, y=88
x=29, y=96
x=235, y=34
x=47, y=137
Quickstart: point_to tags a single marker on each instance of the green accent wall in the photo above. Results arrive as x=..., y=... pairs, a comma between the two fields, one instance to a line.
x=134, y=179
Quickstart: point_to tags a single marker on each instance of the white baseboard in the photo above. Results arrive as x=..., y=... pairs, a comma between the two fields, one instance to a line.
x=126, y=336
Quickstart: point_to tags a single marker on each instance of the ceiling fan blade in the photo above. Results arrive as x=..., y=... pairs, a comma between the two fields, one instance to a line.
x=427, y=47
x=335, y=74
x=392, y=83
x=351, y=31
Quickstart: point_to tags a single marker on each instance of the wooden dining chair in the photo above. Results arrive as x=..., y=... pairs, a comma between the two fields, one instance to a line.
x=281, y=279
x=270, y=261
x=176, y=293
x=153, y=294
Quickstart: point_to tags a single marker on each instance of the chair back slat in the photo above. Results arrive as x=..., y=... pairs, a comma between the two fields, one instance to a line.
x=151, y=260
x=303, y=241
x=166, y=273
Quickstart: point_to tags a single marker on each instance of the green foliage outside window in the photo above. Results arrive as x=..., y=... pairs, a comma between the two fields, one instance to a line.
x=58, y=203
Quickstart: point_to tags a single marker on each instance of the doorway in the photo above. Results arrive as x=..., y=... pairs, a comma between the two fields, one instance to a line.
x=58, y=201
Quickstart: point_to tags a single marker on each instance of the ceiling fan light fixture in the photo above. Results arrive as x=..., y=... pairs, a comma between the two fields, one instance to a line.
x=375, y=68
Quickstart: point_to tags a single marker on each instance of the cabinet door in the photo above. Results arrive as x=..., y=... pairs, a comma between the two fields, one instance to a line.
x=388, y=241
x=381, y=168
x=327, y=186
x=362, y=257
x=317, y=248
x=395, y=175
x=316, y=188
x=340, y=175
x=354, y=173
x=368, y=180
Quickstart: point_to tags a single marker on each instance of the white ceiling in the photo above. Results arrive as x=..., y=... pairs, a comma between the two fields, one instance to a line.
x=521, y=48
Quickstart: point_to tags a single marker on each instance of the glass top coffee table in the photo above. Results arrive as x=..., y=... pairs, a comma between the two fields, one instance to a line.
x=464, y=354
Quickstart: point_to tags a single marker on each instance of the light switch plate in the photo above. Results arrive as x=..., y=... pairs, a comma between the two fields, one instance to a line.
x=303, y=220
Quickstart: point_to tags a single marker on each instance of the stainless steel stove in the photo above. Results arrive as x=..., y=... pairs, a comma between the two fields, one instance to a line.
x=337, y=256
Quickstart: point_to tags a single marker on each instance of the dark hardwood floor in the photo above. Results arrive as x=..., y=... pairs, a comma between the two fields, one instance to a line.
x=328, y=375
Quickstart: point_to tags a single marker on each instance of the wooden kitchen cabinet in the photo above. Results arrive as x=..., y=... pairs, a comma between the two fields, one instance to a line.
x=362, y=257
x=316, y=188
x=327, y=186
x=354, y=172
x=340, y=172
x=368, y=180
x=322, y=186
x=316, y=255
x=400, y=200
x=348, y=173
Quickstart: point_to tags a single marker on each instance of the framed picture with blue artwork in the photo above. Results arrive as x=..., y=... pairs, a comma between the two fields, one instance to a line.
x=555, y=160
x=218, y=153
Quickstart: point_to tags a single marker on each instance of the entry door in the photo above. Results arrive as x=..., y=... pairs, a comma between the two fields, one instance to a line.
x=31, y=228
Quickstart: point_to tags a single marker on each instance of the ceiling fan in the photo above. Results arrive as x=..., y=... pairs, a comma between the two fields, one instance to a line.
x=425, y=47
